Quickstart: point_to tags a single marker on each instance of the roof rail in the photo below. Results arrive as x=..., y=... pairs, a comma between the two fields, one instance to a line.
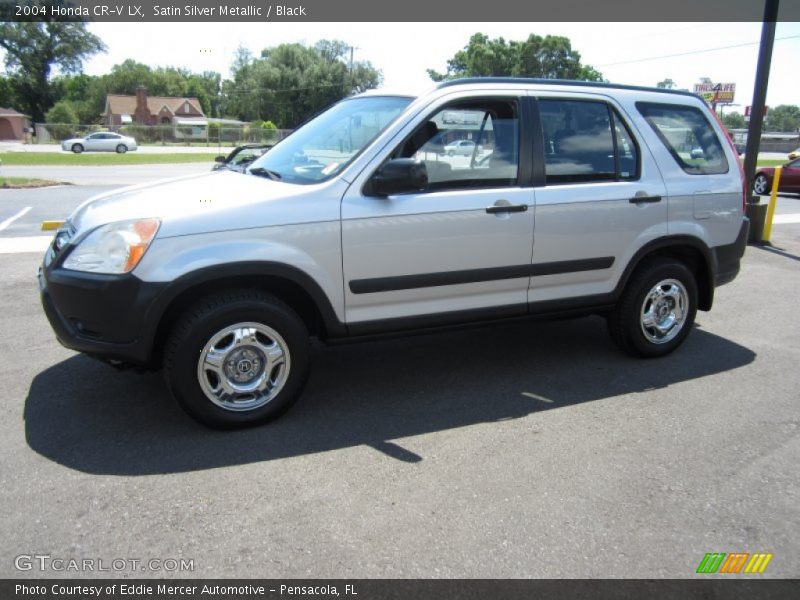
x=568, y=82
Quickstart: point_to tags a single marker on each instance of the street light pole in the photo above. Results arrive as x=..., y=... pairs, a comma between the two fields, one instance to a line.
x=760, y=93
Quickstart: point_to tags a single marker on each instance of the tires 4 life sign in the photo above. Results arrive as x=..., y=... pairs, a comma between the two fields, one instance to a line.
x=716, y=93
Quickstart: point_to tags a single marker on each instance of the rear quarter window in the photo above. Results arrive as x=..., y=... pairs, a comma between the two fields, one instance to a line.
x=688, y=135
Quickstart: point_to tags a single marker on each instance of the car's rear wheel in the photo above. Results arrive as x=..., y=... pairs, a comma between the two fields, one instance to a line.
x=77, y=148
x=656, y=310
x=237, y=359
x=122, y=149
x=761, y=184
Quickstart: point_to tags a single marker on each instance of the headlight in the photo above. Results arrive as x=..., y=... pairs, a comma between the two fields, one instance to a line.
x=113, y=248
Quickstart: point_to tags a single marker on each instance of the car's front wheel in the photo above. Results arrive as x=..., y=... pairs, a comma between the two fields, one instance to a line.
x=77, y=148
x=761, y=184
x=237, y=359
x=656, y=310
x=122, y=149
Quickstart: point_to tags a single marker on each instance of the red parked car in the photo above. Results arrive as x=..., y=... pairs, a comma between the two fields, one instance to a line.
x=790, y=178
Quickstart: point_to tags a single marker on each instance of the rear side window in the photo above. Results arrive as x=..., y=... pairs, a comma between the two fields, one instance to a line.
x=585, y=141
x=688, y=135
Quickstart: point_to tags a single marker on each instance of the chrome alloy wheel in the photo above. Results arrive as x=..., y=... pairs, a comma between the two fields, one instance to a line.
x=664, y=310
x=243, y=366
x=761, y=185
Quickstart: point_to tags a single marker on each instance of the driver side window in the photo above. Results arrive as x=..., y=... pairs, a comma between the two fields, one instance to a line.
x=472, y=144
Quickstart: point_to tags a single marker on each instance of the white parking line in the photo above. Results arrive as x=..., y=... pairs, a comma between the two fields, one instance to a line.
x=786, y=219
x=10, y=220
x=537, y=397
x=17, y=245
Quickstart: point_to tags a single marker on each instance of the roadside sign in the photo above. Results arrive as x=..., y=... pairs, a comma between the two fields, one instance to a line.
x=716, y=93
x=749, y=109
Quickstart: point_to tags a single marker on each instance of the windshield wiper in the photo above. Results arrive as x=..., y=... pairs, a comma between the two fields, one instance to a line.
x=262, y=172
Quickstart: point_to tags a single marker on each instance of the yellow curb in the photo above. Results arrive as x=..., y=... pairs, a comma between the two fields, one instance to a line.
x=51, y=225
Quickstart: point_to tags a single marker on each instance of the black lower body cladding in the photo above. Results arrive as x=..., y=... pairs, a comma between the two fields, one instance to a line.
x=101, y=315
x=729, y=257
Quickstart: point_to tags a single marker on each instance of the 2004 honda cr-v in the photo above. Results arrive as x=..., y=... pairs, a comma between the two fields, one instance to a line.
x=583, y=198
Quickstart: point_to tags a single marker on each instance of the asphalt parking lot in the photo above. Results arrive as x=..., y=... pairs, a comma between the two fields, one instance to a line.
x=520, y=450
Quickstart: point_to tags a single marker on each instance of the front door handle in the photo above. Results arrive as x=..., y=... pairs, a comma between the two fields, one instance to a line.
x=506, y=208
x=644, y=199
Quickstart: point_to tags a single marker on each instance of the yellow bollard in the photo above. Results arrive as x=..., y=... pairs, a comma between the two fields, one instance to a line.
x=773, y=200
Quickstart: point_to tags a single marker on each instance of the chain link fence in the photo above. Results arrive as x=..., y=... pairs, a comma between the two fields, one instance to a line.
x=168, y=135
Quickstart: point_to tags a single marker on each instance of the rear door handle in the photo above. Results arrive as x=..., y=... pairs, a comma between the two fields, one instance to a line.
x=506, y=208
x=644, y=199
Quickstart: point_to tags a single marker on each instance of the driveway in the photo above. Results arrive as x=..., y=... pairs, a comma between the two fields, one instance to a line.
x=532, y=449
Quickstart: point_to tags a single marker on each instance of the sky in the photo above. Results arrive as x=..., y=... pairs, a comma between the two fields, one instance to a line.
x=628, y=53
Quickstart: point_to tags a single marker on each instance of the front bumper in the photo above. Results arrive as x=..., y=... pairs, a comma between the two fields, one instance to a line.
x=105, y=316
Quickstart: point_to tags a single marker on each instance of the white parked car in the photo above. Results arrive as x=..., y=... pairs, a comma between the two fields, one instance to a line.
x=101, y=141
x=461, y=147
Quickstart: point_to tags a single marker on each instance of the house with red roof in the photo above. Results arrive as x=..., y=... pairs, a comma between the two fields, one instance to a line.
x=152, y=110
x=13, y=125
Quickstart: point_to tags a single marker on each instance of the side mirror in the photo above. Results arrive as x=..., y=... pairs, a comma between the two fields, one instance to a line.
x=399, y=176
x=219, y=159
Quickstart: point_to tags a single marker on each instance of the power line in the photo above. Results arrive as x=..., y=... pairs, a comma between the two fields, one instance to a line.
x=651, y=34
x=638, y=60
x=273, y=91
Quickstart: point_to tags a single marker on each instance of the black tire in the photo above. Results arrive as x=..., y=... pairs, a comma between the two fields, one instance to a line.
x=451, y=153
x=761, y=184
x=122, y=149
x=198, y=326
x=77, y=148
x=625, y=321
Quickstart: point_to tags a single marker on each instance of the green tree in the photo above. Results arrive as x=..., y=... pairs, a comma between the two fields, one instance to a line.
x=34, y=49
x=733, y=120
x=269, y=131
x=125, y=77
x=289, y=83
x=785, y=118
x=8, y=92
x=666, y=84
x=550, y=57
x=86, y=94
x=62, y=112
x=61, y=119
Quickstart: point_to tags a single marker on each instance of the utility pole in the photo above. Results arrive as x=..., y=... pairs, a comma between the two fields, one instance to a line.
x=760, y=93
x=352, y=50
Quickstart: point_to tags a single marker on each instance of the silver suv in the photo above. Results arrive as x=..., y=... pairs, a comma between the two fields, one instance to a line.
x=577, y=198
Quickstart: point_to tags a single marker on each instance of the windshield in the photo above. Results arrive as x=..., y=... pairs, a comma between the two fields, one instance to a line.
x=322, y=147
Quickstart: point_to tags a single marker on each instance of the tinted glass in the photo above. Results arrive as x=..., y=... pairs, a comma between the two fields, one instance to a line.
x=468, y=145
x=627, y=151
x=579, y=146
x=326, y=144
x=688, y=136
